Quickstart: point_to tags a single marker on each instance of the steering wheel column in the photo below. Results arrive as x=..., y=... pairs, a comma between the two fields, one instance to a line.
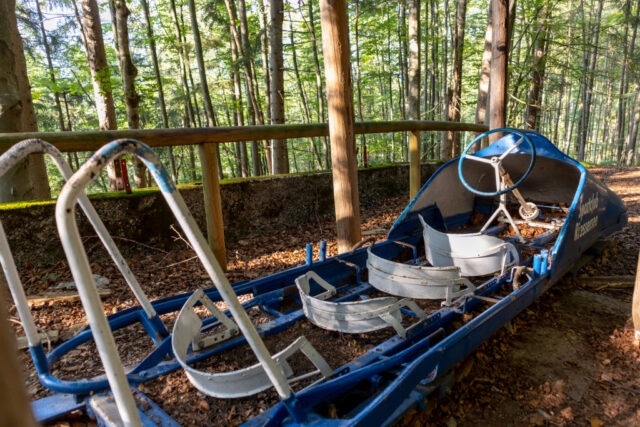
x=528, y=210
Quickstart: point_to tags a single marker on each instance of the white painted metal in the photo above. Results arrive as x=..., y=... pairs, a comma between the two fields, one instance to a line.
x=230, y=328
x=9, y=159
x=476, y=254
x=416, y=281
x=243, y=382
x=352, y=316
x=106, y=411
x=528, y=210
x=67, y=228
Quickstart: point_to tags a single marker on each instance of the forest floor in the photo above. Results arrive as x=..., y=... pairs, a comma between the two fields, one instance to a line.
x=569, y=359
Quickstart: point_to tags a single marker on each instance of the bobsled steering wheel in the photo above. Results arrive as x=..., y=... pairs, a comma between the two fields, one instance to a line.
x=496, y=161
x=504, y=184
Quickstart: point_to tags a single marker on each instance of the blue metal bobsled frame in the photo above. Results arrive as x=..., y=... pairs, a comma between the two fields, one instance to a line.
x=396, y=381
x=397, y=373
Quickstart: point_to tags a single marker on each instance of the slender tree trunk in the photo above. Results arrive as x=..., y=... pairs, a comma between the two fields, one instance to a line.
x=588, y=85
x=202, y=71
x=52, y=74
x=627, y=66
x=159, y=85
x=128, y=73
x=537, y=74
x=241, y=147
x=276, y=63
x=390, y=81
x=303, y=96
x=414, y=60
x=499, y=60
x=435, y=93
x=451, y=147
x=483, y=84
x=101, y=77
x=363, y=139
x=264, y=50
x=255, y=109
x=623, y=85
x=632, y=136
x=183, y=72
x=319, y=88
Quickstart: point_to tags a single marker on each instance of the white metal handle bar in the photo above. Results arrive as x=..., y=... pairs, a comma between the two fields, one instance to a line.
x=8, y=160
x=72, y=244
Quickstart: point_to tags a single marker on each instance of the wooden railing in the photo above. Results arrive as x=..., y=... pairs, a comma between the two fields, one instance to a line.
x=205, y=138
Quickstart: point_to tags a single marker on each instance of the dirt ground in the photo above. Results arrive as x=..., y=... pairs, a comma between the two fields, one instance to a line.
x=567, y=360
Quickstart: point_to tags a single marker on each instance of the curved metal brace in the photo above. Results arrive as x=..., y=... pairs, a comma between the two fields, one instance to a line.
x=415, y=281
x=352, y=316
x=474, y=254
x=243, y=382
x=8, y=160
x=79, y=264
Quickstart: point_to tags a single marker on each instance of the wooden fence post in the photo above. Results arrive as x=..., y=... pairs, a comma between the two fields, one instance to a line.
x=635, y=305
x=337, y=67
x=212, y=201
x=14, y=405
x=414, y=163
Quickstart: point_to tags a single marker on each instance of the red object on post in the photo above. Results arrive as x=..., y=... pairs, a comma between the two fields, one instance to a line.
x=125, y=176
x=364, y=156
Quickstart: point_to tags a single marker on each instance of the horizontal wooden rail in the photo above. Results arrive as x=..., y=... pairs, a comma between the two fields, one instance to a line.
x=206, y=137
x=93, y=140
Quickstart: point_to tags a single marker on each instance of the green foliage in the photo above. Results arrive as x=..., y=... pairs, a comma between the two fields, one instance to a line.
x=381, y=40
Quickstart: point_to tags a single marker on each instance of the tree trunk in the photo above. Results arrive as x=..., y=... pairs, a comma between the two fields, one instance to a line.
x=241, y=147
x=390, y=81
x=587, y=91
x=255, y=110
x=451, y=147
x=303, y=96
x=632, y=136
x=414, y=60
x=499, y=54
x=623, y=84
x=52, y=74
x=335, y=43
x=276, y=64
x=202, y=72
x=363, y=139
x=264, y=50
x=101, y=78
x=414, y=94
x=483, y=84
x=128, y=72
x=28, y=179
x=537, y=73
x=435, y=93
x=158, y=76
x=319, y=89
x=181, y=62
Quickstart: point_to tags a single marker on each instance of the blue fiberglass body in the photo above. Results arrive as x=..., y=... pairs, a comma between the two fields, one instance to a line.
x=384, y=382
x=397, y=381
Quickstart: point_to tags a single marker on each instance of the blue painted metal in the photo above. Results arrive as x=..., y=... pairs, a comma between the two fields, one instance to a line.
x=397, y=372
x=309, y=254
x=532, y=152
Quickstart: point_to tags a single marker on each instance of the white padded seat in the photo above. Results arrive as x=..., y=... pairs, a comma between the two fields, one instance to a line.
x=352, y=316
x=475, y=254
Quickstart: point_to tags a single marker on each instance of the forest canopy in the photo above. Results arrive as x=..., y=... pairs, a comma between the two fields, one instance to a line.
x=573, y=73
